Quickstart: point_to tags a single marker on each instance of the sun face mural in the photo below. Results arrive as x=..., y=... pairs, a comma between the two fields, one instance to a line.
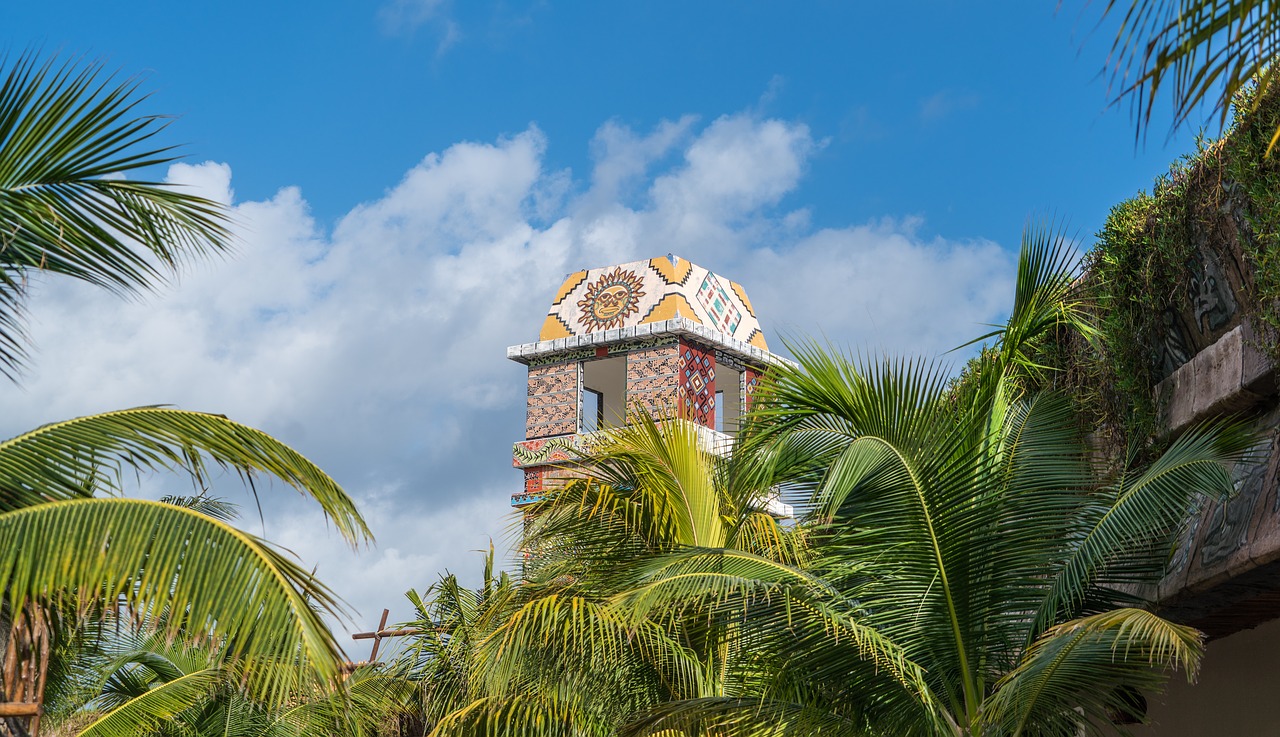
x=651, y=291
x=610, y=299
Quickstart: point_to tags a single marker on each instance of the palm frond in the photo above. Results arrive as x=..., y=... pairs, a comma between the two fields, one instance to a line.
x=669, y=473
x=541, y=713
x=554, y=638
x=208, y=506
x=1143, y=512
x=357, y=707
x=1048, y=295
x=215, y=581
x=73, y=458
x=1203, y=51
x=1071, y=675
x=751, y=717
x=783, y=602
x=141, y=715
x=67, y=133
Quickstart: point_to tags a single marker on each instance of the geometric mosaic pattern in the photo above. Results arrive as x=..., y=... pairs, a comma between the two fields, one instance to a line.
x=539, y=481
x=533, y=480
x=643, y=292
x=698, y=384
x=552, y=404
x=725, y=316
x=652, y=378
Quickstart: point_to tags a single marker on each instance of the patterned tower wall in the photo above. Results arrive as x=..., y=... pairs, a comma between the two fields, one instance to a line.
x=750, y=383
x=533, y=486
x=553, y=400
x=697, y=393
x=652, y=377
x=540, y=480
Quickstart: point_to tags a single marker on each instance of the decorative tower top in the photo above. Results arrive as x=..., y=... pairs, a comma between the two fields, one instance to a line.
x=647, y=292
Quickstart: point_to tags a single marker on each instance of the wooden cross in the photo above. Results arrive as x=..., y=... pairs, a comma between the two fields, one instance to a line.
x=382, y=632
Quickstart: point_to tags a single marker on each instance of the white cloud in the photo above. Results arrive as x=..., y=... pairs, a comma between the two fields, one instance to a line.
x=404, y=17
x=881, y=287
x=621, y=158
x=377, y=349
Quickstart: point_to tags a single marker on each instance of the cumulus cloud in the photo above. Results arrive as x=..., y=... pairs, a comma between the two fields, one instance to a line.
x=377, y=347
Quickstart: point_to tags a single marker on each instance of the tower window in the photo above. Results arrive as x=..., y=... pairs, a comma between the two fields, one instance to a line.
x=592, y=410
x=728, y=399
x=603, y=400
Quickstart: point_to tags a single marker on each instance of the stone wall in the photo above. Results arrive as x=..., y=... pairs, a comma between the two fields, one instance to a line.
x=1224, y=576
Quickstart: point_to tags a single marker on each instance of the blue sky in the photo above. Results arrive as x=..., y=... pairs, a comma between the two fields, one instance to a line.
x=412, y=178
x=971, y=117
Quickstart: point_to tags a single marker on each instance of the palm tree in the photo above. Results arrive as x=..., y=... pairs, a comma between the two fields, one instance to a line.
x=451, y=622
x=574, y=649
x=978, y=539
x=126, y=673
x=70, y=545
x=136, y=680
x=1207, y=51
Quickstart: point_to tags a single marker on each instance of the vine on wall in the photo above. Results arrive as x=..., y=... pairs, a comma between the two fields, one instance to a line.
x=1148, y=278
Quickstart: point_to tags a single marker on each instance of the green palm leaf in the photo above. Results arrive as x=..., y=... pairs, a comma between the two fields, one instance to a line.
x=1205, y=50
x=358, y=707
x=1070, y=675
x=752, y=717
x=546, y=714
x=739, y=581
x=570, y=637
x=71, y=459
x=1142, y=513
x=141, y=715
x=214, y=580
x=660, y=471
x=66, y=134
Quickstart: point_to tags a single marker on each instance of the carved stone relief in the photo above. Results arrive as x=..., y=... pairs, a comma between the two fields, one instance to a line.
x=1212, y=301
x=1228, y=526
x=1175, y=349
x=1182, y=553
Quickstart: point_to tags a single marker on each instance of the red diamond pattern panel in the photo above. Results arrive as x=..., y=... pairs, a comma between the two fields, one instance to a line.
x=750, y=383
x=698, y=384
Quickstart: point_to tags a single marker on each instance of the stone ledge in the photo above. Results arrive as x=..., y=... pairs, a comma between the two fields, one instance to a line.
x=1232, y=375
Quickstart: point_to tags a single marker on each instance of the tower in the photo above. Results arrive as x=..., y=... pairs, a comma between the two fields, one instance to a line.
x=662, y=335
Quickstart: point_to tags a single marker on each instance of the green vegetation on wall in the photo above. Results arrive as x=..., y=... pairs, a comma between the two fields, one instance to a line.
x=1207, y=234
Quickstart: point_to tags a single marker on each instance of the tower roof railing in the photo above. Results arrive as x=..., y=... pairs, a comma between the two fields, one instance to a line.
x=675, y=327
